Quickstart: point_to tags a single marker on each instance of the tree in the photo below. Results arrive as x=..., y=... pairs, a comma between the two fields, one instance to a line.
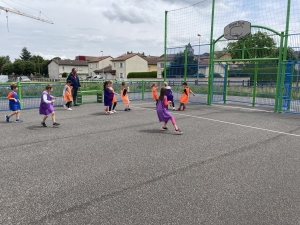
x=291, y=54
x=25, y=54
x=29, y=67
x=44, y=68
x=258, y=45
x=176, y=67
x=38, y=60
x=7, y=68
x=3, y=60
x=19, y=66
x=57, y=58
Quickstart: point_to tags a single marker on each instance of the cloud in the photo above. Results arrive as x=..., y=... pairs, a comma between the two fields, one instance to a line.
x=50, y=56
x=123, y=14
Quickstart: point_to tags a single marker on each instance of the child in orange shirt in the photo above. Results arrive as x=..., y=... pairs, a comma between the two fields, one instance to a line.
x=124, y=96
x=14, y=104
x=114, y=101
x=67, y=95
x=184, y=98
x=154, y=92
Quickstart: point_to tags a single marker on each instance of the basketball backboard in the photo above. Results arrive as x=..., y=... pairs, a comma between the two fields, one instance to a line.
x=237, y=30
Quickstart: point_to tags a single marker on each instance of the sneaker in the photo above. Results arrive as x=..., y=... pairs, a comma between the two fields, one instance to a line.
x=69, y=109
x=65, y=106
x=126, y=109
x=44, y=124
x=7, y=118
x=56, y=124
x=129, y=108
x=107, y=113
x=178, y=109
x=178, y=131
x=76, y=105
x=111, y=112
x=19, y=121
x=183, y=108
x=114, y=111
x=174, y=109
x=164, y=128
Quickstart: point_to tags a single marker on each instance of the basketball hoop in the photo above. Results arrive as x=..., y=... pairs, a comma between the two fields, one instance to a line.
x=237, y=30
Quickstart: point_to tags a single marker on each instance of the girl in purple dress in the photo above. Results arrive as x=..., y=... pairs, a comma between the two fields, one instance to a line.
x=163, y=113
x=108, y=97
x=169, y=94
x=46, y=106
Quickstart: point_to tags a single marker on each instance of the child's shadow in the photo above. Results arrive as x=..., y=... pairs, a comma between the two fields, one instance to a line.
x=35, y=127
x=98, y=114
x=155, y=131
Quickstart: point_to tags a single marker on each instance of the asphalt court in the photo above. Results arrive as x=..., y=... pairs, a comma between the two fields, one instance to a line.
x=233, y=164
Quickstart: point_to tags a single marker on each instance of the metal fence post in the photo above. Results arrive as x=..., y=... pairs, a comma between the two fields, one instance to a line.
x=255, y=84
x=143, y=89
x=20, y=93
x=225, y=84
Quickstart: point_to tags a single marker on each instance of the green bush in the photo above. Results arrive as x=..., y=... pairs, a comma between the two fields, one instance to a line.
x=65, y=74
x=217, y=75
x=265, y=73
x=238, y=73
x=142, y=75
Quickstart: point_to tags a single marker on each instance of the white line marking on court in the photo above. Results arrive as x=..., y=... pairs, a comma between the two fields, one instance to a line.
x=237, y=107
x=149, y=103
x=235, y=124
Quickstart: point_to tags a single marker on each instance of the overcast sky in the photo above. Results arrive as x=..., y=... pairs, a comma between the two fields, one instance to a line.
x=85, y=27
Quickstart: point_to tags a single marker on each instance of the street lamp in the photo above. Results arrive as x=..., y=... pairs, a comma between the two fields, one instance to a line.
x=199, y=58
x=102, y=64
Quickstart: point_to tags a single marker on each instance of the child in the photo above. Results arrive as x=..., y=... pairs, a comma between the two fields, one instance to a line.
x=14, y=104
x=114, y=101
x=124, y=96
x=108, y=97
x=162, y=111
x=184, y=98
x=67, y=95
x=154, y=92
x=46, y=106
x=169, y=94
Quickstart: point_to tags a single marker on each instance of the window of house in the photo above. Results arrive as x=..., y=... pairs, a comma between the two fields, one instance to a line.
x=114, y=64
x=91, y=66
x=161, y=65
x=121, y=65
x=96, y=65
x=121, y=75
x=63, y=68
x=80, y=68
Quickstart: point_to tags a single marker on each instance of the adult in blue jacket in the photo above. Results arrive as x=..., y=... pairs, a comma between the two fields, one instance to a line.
x=73, y=77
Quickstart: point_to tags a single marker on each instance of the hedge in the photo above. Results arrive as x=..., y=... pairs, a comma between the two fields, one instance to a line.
x=266, y=74
x=142, y=75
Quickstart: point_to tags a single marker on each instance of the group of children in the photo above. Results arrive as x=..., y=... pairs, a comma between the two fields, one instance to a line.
x=46, y=103
x=184, y=98
x=166, y=98
x=110, y=99
x=47, y=108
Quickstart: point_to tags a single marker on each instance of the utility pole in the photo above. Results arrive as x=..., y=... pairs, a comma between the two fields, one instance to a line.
x=24, y=14
x=102, y=65
x=199, y=58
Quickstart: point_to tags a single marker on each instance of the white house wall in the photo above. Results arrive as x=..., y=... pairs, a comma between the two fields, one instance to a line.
x=116, y=66
x=135, y=64
x=98, y=65
x=53, y=70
